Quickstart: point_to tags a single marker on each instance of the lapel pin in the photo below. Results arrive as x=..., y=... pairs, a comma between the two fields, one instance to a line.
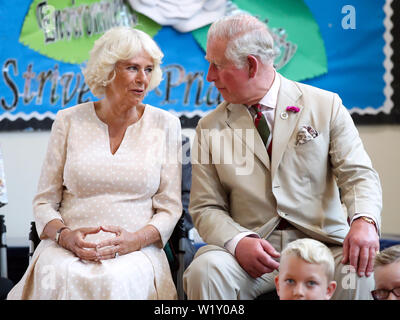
x=284, y=115
x=293, y=109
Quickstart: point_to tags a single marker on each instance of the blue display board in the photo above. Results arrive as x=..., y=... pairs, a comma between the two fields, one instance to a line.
x=357, y=39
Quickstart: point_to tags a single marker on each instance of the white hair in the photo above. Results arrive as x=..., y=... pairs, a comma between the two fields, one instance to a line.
x=246, y=35
x=312, y=251
x=117, y=44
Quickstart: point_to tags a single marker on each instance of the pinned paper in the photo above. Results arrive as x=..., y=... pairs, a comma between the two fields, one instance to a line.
x=66, y=30
x=182, y=15
x=295, y=33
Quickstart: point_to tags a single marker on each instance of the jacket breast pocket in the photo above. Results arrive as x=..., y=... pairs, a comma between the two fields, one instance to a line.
x=311, y=158
x=311, y=147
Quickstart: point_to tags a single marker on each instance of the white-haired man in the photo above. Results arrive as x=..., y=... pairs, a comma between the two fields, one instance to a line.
x=303, y=147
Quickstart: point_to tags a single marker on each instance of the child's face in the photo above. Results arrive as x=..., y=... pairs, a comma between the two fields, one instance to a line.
x=387, y=277
x=300, y=280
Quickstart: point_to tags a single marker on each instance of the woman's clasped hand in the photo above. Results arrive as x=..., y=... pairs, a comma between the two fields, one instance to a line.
x=122, y=243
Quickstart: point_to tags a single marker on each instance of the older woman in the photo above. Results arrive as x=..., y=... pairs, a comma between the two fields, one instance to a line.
x=109, y=193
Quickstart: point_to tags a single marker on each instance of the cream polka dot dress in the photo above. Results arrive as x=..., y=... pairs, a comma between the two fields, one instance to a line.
x=85, y=185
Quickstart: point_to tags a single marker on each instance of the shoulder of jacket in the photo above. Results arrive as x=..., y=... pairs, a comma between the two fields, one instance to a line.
x=215, y=116
x=308, y=90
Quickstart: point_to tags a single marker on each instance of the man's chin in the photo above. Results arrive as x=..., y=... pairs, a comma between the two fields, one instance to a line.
x=227, y=97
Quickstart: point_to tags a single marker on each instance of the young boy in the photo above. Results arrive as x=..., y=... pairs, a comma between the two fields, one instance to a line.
x=387, y=274
x=306, y=271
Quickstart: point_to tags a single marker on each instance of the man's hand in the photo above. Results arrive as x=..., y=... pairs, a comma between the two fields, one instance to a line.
x=360, y=247
x=255, y=256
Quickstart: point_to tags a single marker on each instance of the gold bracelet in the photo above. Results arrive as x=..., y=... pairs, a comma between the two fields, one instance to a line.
x=370, y=221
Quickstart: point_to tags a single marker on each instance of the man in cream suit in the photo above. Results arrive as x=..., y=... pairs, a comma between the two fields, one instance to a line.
x=253, y=193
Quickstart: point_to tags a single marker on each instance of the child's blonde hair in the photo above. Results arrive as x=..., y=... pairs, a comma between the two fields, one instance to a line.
x=387, y=256
x=312, y=251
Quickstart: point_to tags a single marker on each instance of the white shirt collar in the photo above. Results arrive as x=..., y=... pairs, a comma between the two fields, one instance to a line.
x=271, y=98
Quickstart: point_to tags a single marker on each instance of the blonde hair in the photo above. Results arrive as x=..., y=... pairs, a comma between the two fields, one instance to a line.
x=312, y=251
x=119, y=43
x=246, y=35
x=387, y=256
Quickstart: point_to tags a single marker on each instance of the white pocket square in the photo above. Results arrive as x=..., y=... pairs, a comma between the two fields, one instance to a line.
x=305, y=134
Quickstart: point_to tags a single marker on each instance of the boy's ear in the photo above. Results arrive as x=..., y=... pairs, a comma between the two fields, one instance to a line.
x=253, y=65
x=277, y=284
x=331, y=289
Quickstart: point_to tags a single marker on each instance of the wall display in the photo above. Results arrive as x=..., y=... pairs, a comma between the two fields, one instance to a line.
x=341, y=46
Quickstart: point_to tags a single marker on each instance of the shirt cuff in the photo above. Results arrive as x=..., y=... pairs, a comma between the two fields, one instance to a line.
x=231, y=244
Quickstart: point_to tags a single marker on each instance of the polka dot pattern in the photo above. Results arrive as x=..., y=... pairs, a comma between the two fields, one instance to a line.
x=85, y=185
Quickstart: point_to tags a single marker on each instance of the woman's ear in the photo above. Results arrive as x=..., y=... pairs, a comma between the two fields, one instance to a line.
x=253, y=65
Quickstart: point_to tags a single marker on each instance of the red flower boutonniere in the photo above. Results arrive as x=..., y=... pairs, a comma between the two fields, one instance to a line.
x=293, y=109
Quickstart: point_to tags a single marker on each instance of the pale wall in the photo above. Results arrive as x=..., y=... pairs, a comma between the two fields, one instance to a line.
x=383, y=146
x=24, y=152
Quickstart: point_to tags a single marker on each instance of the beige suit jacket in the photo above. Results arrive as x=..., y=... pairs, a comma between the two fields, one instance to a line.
x=236, y=188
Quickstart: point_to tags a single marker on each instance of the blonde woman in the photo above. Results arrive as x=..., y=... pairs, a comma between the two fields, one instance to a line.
x=109, y=193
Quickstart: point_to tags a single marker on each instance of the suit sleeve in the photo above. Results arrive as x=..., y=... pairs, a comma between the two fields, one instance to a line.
x=209, y=200
x=359, y=183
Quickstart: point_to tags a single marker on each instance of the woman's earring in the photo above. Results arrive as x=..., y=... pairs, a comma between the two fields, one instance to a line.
x=104, y=83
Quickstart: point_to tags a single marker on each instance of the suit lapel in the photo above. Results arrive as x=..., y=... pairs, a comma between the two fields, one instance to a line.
x=239, y=118
x=283, y=127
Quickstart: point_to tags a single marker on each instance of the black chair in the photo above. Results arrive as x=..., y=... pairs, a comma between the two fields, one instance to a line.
x=5, y=286
x=181, y=242
x=180, y=249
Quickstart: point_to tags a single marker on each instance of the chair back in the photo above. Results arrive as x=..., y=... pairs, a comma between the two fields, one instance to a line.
x=34, y=240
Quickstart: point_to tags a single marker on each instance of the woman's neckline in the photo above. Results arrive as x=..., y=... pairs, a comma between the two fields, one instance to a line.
x=131, y=125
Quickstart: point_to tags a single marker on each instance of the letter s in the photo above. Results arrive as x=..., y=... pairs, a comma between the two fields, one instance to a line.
x=10, y=83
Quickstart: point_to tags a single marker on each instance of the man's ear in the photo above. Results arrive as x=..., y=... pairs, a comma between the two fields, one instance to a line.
x=253, y=65
x=331, y=289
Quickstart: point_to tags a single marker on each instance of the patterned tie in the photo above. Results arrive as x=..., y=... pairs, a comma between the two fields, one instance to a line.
x=262, y=126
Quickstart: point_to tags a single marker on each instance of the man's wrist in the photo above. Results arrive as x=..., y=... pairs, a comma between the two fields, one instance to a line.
x=231, y=244
x=368, y=220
